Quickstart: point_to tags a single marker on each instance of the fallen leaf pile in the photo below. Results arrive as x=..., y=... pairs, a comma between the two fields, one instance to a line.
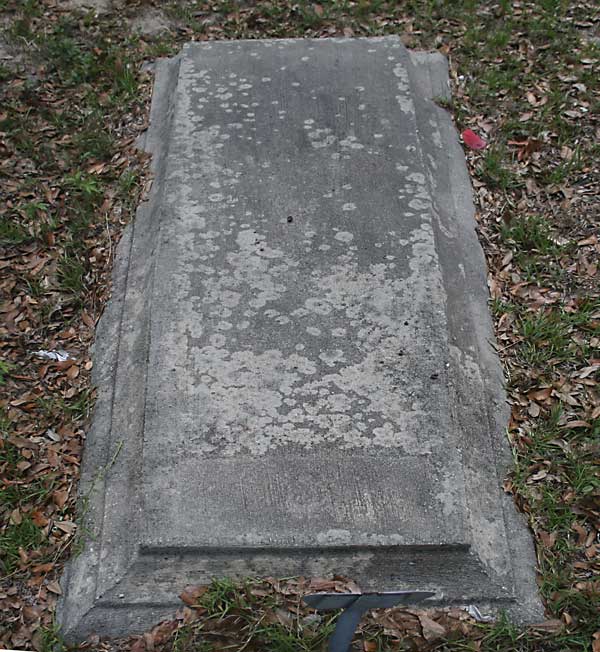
x=256, y=614
x=64, y=203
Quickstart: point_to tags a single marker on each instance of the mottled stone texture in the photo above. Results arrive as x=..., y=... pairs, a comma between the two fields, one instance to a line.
x=296, y=364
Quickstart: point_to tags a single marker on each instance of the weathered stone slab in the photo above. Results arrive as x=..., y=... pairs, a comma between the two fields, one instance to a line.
x=295, y=366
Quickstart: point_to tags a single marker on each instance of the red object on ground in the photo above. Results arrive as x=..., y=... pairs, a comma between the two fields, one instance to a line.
x=472, y=140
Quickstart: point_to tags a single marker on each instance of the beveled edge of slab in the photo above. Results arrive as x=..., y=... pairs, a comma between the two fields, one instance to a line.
x=472, y=273
x=92, y=603
x=145, y=594
x=102, y=450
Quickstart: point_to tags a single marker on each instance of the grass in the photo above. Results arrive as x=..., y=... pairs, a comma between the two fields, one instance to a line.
x=94, y=144
x=531, y=233
x=545, y=337
x=80, y=406
x=50, y=639
x=256, y=617
x=5, y=369
x=278, y=638
x=49, y=124
x=13, y=232
x=224, y=596
x=84, y=185
x=21, y=534
x=495, y=171
x=77, y=408
x=71, y=275
x=26, y=536
x=550, y=335
x=566, y=457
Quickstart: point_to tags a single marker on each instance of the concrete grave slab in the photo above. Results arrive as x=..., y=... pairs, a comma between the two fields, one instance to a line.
x=295, y=371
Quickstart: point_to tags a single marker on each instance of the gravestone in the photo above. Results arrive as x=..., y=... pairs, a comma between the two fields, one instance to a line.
x=296, y=372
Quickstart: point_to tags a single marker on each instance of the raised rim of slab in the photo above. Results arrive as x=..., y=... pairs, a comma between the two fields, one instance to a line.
x=456, y=203
x=116, y=581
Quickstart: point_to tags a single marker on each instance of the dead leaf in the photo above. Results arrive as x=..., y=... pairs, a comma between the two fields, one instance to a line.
x=588, y=371
x=553, y=625
x=42, y=568
x=38, y=518
x=66, y=526
x=578, y=423
x=582, y=533
x=87, y=319
x=592, y=240
x=321, y=584
x=191, y=594
x=540, y=475
x=72, y=372
x=548, y=538
x=139, y=645
x=60, y=497
x=54, y=587
x=540, y=394
x=31, y=613
x=97, y=168
x=432, y=631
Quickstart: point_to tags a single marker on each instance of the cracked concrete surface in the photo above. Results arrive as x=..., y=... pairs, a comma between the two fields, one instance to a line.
x=296, y=362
